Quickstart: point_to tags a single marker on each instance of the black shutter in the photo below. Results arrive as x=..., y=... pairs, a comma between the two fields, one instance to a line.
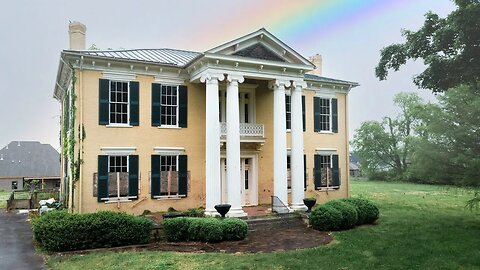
x=303, y=114
x=334, y=115
x=335, y=171
x=288, y=108
x=134, y=103
x=102, y=177
x=155, y=176
x=103, y=101
x=316, y=114
x=317, y=171
x=182, y=106
x=304, y=172
x=156, y=105
x=182, y=175
x=133, y=175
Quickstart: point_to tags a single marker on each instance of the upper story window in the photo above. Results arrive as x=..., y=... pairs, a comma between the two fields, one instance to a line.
x=169, y=105
x=118, y=103
x=325, y=114
x=288, y=111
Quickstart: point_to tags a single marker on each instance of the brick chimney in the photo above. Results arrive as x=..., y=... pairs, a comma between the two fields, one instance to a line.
x=76, y=31
x=317, y=61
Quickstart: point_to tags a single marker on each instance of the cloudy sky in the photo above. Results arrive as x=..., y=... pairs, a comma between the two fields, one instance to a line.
x=347, y=33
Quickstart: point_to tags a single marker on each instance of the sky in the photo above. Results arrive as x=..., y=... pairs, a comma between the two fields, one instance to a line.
x=349, y=35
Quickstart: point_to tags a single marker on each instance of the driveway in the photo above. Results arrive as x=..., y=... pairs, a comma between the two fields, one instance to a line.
x=16, y=243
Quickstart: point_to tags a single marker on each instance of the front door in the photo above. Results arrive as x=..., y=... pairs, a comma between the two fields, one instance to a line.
x=247, y=181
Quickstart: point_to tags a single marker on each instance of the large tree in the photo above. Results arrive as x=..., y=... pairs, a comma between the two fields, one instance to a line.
x=387, y=145
x=449, y=47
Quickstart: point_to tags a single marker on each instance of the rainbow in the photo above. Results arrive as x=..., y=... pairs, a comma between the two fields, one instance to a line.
x=294, y=22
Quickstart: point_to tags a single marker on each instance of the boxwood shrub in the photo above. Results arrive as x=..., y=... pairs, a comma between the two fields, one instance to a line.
x=61, y=231
x=204, y=229
x=368, y=212
x=348, y=211
x=326, y=218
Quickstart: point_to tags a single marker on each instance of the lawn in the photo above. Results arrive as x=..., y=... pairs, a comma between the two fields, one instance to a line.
x=420, y=227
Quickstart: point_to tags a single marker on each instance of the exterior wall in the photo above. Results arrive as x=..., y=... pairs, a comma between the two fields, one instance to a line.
x=6, y=184
x=145, y=137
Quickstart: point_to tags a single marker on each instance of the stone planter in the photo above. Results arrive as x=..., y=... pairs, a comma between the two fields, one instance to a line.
x=309, y=203
x=222, y=209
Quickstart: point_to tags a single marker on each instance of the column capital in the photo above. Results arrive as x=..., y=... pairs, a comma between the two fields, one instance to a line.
x=235, y=77
x=209, y=76
x=277, y=83
x=299, y=85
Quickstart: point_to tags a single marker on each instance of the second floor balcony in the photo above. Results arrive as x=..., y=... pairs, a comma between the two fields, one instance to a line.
x=246, y=130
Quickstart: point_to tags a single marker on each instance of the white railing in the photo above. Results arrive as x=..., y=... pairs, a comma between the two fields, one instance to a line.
x=246, y=130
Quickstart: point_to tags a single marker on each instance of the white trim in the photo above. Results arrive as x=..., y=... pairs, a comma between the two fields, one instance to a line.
x=118, y=151
x=326, y=151
x=119, y=76
x=171, y=197
x=325, y=94
x=169, y=151
x=114, y=125
x=173, y=81
x=169, y=127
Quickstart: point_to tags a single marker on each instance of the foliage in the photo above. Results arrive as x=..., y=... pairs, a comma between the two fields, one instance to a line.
x=234, y=229
x=448, y=46
x=349, y=213
x=387, y=145
x=61, y=231
x=195, y=212
x=204, y=229
x=367, y=212
x=422, y=227
x=326, y=218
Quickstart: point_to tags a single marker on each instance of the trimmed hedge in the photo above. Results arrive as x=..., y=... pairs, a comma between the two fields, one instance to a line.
x=368, y=212
x=348, y=211
x=61, y=231
x=326, y=218
x=204, y=229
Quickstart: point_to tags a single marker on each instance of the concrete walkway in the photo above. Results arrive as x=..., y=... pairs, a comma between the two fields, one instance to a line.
x=16, y=243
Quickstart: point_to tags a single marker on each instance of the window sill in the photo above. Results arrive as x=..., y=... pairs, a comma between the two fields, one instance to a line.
x=169, y=127
x=325, y=132
x=119, y=200
x=119, y=126
x=328, y=189
x=172, y=197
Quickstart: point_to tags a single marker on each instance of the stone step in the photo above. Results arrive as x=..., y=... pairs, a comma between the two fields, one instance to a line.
x=272, y=223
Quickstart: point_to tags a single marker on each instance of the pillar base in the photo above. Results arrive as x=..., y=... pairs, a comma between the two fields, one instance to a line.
x=236, y=212
x=298, y=207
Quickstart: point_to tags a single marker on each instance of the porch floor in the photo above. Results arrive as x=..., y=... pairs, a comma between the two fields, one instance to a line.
x=257, y=211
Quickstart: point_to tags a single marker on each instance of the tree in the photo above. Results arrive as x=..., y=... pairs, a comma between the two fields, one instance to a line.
x=387, y=145
x=449, y=47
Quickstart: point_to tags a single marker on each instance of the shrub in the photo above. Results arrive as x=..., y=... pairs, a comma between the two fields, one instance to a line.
x=205, y=229
x=176, y=229
x=348, y=212
x=61, y=231
x=326, y=218
x=234, y=229
x=368, y=212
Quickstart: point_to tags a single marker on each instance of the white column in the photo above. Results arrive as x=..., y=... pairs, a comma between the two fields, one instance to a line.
x=212, y=143
x=233, y=147
x=297, y=147
x=279, y=142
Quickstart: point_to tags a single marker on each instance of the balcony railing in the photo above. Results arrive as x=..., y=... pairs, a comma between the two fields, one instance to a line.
x=246, y=130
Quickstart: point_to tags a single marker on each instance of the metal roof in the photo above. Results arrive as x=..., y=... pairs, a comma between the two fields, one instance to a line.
x=317, y=78
x=159, y=56
x=29, y=159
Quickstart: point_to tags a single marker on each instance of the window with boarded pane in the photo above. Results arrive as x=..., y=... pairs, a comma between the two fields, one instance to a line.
x=119, y=102
x=168, y=176
x=325, y=114
x=169, y=105
x=118, y=176
x=327, y=173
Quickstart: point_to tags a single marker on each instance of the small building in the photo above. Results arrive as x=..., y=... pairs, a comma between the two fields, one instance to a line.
x=158, y=128
x=24, y=161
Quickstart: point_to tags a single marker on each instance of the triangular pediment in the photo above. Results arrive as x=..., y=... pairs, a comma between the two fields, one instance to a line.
x=261, y=45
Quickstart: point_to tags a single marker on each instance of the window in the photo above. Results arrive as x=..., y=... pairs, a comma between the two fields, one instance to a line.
x=326, y=172
x=117, y=178
x=14, y=185
x=169, y=105
x=288, y=111
x=325, y=114
x=119, y=102
x=168, y=176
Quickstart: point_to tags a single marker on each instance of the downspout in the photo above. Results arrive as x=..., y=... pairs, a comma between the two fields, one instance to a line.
x=80, y=136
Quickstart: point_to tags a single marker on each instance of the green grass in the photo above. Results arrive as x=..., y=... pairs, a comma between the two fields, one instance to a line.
x=4, y=195
x=420, y=227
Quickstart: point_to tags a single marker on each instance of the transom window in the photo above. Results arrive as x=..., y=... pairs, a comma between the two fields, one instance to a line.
x=325, y=114
x=169, y=105
x=118, y=164
x=168, y=163
x=119, y=102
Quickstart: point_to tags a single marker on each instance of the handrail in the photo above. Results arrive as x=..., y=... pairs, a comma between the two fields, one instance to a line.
x=278, y=206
